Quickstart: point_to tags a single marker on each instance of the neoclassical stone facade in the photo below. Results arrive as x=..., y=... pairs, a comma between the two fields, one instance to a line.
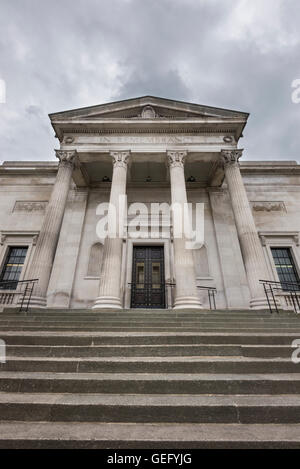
x=152, y=151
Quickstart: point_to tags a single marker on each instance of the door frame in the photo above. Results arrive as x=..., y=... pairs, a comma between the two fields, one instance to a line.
x=129, y=262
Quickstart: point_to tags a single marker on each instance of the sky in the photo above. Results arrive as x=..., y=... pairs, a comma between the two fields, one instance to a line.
x=65, y=54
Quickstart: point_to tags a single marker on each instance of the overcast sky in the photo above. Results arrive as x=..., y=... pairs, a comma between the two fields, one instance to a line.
x=63, y=54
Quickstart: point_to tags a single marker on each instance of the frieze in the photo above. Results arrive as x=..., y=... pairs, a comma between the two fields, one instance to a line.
x=146, y=139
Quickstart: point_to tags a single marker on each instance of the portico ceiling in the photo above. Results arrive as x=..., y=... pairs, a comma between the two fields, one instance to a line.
x=99, y=173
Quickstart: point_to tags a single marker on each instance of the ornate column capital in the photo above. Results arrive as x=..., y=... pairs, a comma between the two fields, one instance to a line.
x=231, y=157
x=66, y=157
x=120, y=158
x=176, y=158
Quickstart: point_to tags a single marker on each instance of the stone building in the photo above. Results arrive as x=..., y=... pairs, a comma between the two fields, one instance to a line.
x=154, y=151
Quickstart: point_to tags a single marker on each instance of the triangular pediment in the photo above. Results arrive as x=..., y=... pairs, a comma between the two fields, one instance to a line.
x=148, y=107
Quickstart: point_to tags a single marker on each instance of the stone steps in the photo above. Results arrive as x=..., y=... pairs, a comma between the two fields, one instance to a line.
x=149, y=408
x=150, y=383
x=94, y=351
x=161, y=364
x=144, y=338
x=220, y=329
x=149, y=436
x=145, y=317
x=220, y=379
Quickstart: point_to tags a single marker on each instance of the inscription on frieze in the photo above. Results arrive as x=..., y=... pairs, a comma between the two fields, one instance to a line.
x=148, y=139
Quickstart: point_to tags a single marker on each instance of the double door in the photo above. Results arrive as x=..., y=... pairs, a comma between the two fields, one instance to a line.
x=148, y=284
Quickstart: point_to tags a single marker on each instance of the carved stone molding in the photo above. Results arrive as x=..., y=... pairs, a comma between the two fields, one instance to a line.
x=231, y=157
x=66, y=157
x=29, y=206
x=68, y=139
x=120, y=158
x=148, y=113
x=176, y=158
x=268, y=206
x=29, y=236
x=279, y=237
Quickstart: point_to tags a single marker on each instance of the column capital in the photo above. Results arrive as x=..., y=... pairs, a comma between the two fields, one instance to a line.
x=66, y=157
x=176, y=158
x=120, y=158
x=231, y=157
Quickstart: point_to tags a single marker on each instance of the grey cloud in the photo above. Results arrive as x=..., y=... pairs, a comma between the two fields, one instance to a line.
x=66, y=54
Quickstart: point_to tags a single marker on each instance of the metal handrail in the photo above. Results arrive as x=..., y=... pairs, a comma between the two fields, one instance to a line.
x=26, y=294
x=272, y=287
x=211, y=292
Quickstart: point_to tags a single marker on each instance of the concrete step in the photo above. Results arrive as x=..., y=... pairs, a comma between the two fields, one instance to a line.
x=260, y=351
x=129, y=380
x=203, y=329
x=147, y=408
x=193, y=364
x=146, y=317
x=143, y=338
x=150, y=383
x=259, y=323
x=138, y=311
x=153, y=436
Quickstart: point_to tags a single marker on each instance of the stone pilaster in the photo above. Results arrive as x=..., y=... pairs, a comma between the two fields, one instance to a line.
x=44, y=253
x=186, y=291
x=251, y=248
x=110, y=279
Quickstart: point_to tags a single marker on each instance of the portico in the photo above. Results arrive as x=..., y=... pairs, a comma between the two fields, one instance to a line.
x=152, y=151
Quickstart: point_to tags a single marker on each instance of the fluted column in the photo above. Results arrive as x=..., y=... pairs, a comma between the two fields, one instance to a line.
x=249, y=241
x=186, y=291
x=110, y=278
x=44, y=253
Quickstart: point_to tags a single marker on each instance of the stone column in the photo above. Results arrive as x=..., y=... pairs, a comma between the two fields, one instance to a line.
x=42, y=261
x=110, y=278
x=186, y=291
x=251, y=248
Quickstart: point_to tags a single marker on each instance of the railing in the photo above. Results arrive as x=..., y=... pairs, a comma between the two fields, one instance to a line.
x=211, y=292
x=275, y=292
x=162, y=287
x=17, y=292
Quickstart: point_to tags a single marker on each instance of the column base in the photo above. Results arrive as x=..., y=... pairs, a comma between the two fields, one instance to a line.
x=35, y=302
x=187, y=302
x=262, y=303
x=107, y=302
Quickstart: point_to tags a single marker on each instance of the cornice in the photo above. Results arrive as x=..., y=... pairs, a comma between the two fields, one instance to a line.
x=36, y=172
x=148, y=131
x=233, y=126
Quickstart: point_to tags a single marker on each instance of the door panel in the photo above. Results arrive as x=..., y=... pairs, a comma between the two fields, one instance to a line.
x=148, y=285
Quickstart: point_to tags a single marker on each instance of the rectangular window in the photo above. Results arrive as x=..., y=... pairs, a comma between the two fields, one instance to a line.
x=285, y=265
x=13, y=266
